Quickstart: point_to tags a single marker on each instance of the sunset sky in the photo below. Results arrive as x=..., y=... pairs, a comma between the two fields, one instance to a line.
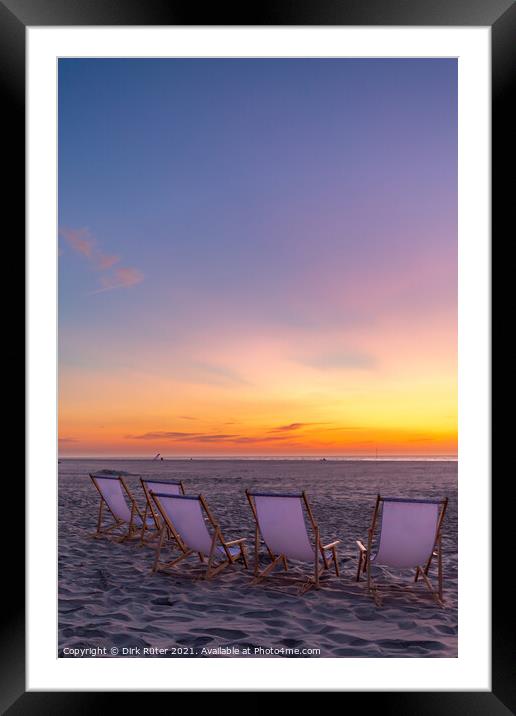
x=257, y=257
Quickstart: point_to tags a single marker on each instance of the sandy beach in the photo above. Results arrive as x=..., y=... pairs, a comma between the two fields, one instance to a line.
x=109, y=600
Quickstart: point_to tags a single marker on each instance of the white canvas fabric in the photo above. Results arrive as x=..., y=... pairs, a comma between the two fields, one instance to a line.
x=407, y=533
x=282, y=524
x=165, y=488
x=187, y=518
x=113, y=493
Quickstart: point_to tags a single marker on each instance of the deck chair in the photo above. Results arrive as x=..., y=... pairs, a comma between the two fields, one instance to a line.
x=114, y=493
x=281, y=523
x=410, y=538
x=168, y=487
x=187, y=518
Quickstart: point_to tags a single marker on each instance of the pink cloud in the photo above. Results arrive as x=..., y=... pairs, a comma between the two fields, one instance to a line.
x=80, y=240
x=104, y=261
x=84, y=243
x=120, y=278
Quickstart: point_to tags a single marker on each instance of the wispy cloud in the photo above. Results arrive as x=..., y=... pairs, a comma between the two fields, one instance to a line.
x=68, y=440
x=291, y=426
x=260, y=439
x=213, y=438
x=163, y=435
x=120, y=278
x=178, y=436
x=80, y=240
x=85, y=244
x=105, y=261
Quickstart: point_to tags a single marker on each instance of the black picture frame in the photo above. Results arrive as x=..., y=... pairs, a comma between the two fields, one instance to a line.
x=500, y=16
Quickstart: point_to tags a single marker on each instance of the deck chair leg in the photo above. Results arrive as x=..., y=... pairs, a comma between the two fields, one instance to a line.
x=316, y=566
x=359, y=568
x=123, y=537
x=267, y=570
x=335, y=562
x=325, y=559
x=99, y=521
x=376, y=595
x=214, y=571
x=243, y=554
x=256, y=551
x=208, y=573
x=362, y=560
x=168, y=565
x=430, y=587
x=130, y=526
x=440, y=571
x=105, y=532
x=427, y=566
x=417, y=574
x=102, y=532
x=371, y=586
x=144, y=524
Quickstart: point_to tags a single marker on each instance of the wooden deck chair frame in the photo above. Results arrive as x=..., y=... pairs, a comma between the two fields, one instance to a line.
x=320, y=550
x=364, y=563
x=212, y=568
x=133, y=530
x=151, y=510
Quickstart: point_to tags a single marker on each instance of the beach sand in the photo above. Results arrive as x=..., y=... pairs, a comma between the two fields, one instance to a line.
x=109, y=599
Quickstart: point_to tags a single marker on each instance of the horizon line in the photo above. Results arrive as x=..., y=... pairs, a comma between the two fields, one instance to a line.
x=398, y=456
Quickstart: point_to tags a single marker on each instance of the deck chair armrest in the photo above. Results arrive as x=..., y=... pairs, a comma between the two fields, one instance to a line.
x=361, y=546
x=235, y=541
x=331, y=544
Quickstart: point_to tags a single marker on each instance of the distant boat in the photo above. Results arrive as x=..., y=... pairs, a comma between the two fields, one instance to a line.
x=157, y=456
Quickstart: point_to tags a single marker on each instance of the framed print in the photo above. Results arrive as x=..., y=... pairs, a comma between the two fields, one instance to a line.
x=258, y=366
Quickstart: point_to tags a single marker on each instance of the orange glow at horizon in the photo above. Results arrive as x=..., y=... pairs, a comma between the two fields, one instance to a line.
x=256, y=398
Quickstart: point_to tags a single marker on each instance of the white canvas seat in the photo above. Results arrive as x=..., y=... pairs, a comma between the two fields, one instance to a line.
x=167, y=487
x=281, y=525
x=194, y=529
x=409, y=538
x=121, y=505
